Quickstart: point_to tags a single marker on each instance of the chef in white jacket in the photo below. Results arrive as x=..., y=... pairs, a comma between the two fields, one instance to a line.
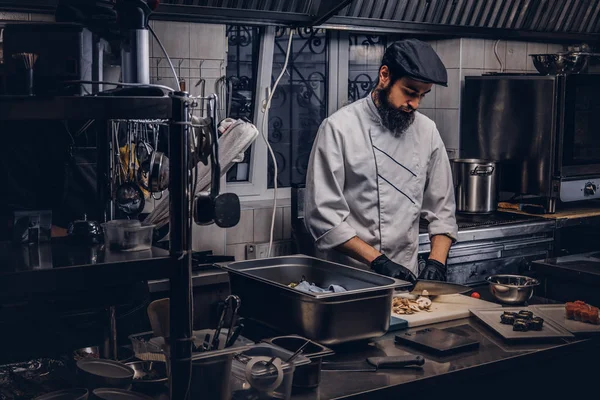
x=377, y=165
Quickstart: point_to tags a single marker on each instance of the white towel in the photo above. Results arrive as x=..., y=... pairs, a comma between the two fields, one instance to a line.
x=237, y=138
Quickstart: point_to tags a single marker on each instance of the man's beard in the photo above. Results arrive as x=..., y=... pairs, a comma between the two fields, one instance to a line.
x=392, y=118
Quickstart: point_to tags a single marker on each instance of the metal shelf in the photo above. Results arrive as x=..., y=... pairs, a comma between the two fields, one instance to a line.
x=84, y=107
x=60, y=266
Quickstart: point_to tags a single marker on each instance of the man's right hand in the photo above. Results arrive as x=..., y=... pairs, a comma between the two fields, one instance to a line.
x=384, y=266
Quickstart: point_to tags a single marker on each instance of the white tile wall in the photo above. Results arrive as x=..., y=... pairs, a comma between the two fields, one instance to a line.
x=208, y=237
x=262, y=224
x=448, y=125
x=516, y=56
x=207, y=41
x=237, y=250
x=175, y=37
x=490, y=61
x=448, y=97
x=472, y=54
x=449, y=52
x=287, y=222
x=243, y=232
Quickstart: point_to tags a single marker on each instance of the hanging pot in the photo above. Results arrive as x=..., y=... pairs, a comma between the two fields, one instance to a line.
x=158, y=179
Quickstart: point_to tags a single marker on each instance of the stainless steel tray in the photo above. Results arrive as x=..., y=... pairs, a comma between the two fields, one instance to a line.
x=362, y=312
x=556, y=313
x=491, y=317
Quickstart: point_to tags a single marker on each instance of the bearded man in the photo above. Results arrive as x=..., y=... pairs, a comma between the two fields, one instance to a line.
x=377, y=166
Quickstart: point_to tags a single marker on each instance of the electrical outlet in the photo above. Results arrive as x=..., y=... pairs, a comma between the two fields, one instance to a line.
x=259, y=250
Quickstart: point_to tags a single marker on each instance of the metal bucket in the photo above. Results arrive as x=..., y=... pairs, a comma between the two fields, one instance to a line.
x=475, y=185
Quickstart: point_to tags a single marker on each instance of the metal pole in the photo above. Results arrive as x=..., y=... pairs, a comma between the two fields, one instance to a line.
x=104, y=173
x=180, y=248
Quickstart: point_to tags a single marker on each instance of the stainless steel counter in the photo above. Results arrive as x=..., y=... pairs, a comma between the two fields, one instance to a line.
x=461, y=373
x=207, y=277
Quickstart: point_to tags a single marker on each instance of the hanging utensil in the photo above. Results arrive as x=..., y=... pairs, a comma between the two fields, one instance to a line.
x=181, y=80
x=129, y=197
x=202, y=83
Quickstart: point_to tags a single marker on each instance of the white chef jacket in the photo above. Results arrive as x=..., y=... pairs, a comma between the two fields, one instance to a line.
x=363, y=181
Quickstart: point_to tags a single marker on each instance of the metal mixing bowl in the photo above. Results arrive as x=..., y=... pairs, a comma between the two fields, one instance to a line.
x=560, y=63
x=512, y=289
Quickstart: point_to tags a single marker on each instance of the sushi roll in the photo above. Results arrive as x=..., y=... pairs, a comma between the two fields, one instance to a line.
x=525, y=314
x=570, y=309
x=535, y=324
x=508, y=318
x=520, y=325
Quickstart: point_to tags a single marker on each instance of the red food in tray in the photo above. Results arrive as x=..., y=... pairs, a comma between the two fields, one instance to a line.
x=580, y=311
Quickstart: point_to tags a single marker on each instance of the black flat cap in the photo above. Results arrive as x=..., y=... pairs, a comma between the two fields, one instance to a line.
x=416, y=60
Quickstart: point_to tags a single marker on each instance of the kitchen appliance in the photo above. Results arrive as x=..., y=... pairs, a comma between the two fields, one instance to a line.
x=437, y=341
x=491, y=318
x=327, y=318
x=475, y=185
x=512, y=289
x=498, y=243
x=541, y=129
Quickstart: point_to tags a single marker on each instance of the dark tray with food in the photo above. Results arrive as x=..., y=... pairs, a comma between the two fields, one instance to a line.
x=335, y=303
x=519, y=323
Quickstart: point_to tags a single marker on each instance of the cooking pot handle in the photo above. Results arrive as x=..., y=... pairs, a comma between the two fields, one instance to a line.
x=482, y=171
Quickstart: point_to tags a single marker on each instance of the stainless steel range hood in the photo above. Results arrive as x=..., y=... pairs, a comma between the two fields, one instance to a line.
x=566, y=20
x=252, y=12
x=542, y=19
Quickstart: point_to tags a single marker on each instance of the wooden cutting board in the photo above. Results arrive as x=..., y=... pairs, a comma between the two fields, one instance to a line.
x=445, y=308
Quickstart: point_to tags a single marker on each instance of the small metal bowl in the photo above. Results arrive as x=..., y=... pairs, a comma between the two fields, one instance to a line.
x=512, y=289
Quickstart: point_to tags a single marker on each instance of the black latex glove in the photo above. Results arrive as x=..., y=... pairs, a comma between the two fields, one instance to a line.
x=384, y=266
x=433, y=271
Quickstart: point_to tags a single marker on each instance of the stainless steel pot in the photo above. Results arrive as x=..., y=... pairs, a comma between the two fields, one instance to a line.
x=475, y=185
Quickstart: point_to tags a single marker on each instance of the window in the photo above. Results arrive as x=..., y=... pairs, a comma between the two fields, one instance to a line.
x=365, y=54
x=242, y=56
x=299, y=104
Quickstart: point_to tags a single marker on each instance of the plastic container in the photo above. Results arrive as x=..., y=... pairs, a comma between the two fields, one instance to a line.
x=263, y=372
x=127, y=235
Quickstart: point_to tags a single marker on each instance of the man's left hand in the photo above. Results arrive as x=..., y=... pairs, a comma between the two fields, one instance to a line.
x=433, y=271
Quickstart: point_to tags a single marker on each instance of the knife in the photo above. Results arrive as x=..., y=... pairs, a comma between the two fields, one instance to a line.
x=373, y=364
x=438, y=288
